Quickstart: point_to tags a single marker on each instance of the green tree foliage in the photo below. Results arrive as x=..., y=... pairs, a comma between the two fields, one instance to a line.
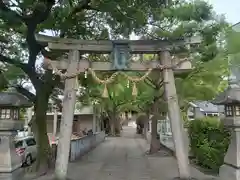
x=195, y=18
x=204, y=82
x=232, y=51
x=232, y=42
x=182, y=20
x=119, y=96
x=185, y=19
x=3, y=81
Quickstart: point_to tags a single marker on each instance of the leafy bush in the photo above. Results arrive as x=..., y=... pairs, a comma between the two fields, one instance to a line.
x=209, y=141
x=185, y=119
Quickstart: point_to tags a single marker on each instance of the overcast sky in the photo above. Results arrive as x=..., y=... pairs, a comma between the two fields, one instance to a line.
x=230, y=8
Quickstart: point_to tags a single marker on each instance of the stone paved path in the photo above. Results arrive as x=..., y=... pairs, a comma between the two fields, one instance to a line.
x=123, y=158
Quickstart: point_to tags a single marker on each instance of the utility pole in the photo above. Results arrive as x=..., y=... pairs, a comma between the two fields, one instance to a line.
x=175, y=116
x=67, y=119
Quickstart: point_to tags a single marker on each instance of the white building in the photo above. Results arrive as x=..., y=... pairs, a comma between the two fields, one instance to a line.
x=197, y=109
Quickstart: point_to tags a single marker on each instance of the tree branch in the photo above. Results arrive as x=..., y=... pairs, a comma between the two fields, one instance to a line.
x=84, y=5
x=139, y=107
x=151, y=81
x=14, y=62
x=40, y=12
x=5, y=8
x=122, y=103
x=159, y=84
x=25, y=92
x=111, y=98
x=148, y=81
x=33, y=76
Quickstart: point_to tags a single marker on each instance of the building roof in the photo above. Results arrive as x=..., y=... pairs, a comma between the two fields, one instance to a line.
x=208, y=107
x=236, y=27
x=13, y=99
x=236, y=24
x=229, y=96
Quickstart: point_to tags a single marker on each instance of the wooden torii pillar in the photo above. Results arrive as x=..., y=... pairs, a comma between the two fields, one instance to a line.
x=125, y=46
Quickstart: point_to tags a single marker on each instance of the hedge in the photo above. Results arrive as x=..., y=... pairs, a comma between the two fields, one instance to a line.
x=209, y=141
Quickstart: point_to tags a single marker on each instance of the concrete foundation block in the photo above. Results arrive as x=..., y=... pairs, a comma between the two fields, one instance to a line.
x=17, y=174
x=227, y=172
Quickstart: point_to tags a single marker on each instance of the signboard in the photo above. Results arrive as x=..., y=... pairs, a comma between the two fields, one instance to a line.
x=121, y=56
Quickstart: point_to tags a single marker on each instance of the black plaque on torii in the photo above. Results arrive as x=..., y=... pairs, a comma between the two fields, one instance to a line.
x=120, y=55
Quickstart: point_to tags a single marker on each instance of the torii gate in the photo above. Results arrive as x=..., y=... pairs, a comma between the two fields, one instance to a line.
x=120, y=50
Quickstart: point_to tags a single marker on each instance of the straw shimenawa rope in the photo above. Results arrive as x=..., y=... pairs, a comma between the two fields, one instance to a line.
x=105, y=82
x=134, y=80
x=47, y=62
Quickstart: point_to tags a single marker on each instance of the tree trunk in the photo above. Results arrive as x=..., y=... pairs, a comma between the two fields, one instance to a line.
x=40, y=132
x=155, y=142
x=117, y=125
x=145, y=128
x=114, y=123
x=112, y=126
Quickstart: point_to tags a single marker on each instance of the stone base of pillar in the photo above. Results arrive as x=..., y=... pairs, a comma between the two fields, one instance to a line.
x=17, y=174
x=10, y=162
x=229, y=172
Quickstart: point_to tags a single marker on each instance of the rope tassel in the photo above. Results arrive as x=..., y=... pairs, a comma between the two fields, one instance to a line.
x=105, y=91
x=134, y=89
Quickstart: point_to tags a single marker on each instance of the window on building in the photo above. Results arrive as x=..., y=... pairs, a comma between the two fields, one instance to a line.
x=15, y=114
x=190, y=117
x=229, y=110
x=191, y=109
x=75, y=118
x=5, y=113
x=237, y=110
x=163, y=113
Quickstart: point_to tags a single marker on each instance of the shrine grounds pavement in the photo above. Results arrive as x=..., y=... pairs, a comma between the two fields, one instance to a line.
x=125, y=158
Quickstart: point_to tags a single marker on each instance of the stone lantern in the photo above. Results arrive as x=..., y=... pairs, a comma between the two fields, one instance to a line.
x=231, y=101
x=10, y=104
